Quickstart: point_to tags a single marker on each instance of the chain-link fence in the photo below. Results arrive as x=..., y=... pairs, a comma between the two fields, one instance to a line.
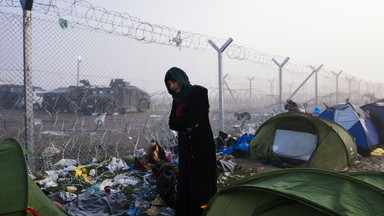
x=95, y=81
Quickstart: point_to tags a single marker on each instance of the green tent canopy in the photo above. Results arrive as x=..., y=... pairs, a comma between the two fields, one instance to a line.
x=300, y=139
x=17, y=190
x=301, y=191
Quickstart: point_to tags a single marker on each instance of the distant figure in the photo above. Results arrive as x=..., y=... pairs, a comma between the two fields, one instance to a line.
x=242, y=117
x=293, y=106
x=197, y=177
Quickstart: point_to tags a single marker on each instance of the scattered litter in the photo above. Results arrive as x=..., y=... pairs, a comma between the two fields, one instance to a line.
x=378, y=152
x=81, y=172
x=55, y=133
x=66, y=162
x=92, y=172
x=50, y=151
x=124, y=180
x=71, y=189
x=116, y=164
x=116, y=186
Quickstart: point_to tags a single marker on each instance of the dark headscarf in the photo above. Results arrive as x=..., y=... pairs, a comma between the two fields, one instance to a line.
x=181, y=77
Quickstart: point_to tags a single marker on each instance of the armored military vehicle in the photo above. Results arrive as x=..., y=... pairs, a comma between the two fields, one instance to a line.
x=12, y=96
x=67, y=99
x=120, y=96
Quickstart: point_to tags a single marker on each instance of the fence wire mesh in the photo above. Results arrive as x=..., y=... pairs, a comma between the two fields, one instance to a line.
x=98, y=86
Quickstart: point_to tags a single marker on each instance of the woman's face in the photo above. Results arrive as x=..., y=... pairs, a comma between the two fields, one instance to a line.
x=174, y=86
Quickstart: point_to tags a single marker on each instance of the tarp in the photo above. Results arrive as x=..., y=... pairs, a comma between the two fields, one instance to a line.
x=17, y=190
x=240, y=148
x=243, y=142
x=301, y=139
x=358, y=124
x=301, y=192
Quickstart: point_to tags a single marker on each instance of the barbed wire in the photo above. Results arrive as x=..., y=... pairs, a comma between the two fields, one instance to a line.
x=83, y=13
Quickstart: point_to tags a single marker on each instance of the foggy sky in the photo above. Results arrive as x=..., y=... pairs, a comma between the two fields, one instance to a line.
x=343, y=35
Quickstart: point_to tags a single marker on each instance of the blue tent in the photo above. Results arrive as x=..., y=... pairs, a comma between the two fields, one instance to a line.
x=376, y=112
x=358, y=124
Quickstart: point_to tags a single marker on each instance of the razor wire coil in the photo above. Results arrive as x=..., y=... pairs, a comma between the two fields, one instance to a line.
x=82, y=13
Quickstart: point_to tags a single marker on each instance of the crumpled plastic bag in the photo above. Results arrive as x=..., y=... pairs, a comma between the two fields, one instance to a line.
x=116, y=164
x=81, y=172
x=66, y=162
x=227, y=166
x=169, y=155
x=50, y=151
x=125, y=180
x=378, y=152
x=95, y=188
x=50, y=181
x=105, y=183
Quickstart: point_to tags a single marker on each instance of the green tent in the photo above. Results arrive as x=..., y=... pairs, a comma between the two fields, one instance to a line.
x=303, y=140
x=303, y=191
x=18, y=191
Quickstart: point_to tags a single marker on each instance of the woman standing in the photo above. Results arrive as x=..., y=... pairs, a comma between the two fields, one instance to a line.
x=197, y=177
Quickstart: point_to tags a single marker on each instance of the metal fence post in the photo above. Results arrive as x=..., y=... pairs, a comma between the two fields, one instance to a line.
x=28, y=86
x=301, y=85
x=250, y=88
x=271, y=82
x=358, y=89
x=337, y=85
x=280, y=81
x=78, y=70
x=316, y=86
x=349, y=85
x=219, y=53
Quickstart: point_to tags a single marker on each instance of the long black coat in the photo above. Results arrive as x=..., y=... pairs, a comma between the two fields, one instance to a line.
x=197, y=178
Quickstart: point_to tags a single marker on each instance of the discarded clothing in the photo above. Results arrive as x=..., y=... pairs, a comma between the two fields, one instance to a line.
x=92, y=204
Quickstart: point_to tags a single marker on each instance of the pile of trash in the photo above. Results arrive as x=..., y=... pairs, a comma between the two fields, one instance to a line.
x=109, y=186
x=142, y=184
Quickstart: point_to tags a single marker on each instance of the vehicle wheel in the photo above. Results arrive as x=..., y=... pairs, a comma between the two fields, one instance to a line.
x=109, y=108
x=9, y=105
x=86, y=111
x=72, y=107
x=61, y=106
x=99, y=109
x=143, y=106
x=122, y=111
x=47, y=107
x=36, y=106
